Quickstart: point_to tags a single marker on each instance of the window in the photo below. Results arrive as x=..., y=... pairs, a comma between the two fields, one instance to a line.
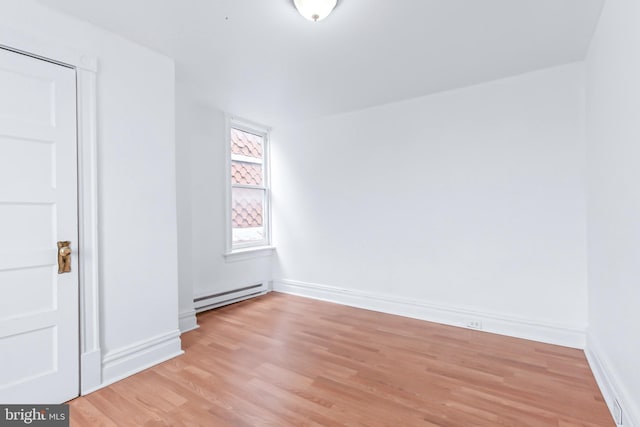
x=248, y=175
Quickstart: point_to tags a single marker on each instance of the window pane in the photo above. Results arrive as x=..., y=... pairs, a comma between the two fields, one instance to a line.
x=246, y=144
x=246, y=173
x=247, y=209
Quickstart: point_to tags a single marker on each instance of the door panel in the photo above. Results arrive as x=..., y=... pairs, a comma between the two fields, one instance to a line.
x=27, y=165
x=31, y=291
x=39, y=336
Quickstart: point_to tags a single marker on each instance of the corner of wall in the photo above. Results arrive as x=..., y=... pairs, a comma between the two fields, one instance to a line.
x=124, y=362
x=612, y=388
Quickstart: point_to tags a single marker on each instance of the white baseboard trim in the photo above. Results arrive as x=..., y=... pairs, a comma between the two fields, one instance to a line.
x=90, y=365
x=188, y=321
x=124, y=362
x=454, y=316
x=611, y=386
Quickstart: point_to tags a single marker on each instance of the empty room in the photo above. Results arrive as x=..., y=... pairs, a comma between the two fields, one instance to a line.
x=320, y=213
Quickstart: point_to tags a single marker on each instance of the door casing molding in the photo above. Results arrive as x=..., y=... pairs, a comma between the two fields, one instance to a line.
x=86, y=68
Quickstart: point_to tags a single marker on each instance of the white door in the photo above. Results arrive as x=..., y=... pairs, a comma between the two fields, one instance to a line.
x=39, y=360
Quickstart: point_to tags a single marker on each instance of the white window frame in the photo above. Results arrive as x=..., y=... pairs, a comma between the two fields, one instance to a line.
x=264, y=247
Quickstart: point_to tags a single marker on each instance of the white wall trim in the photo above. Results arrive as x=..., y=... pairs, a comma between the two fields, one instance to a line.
x=126, y=361
x=249, y=253
x=90, y=370
x=188, y=321
x=86, y=68
x=18, y=41
x=611, y=386
x=88, y=195
x=455, y=316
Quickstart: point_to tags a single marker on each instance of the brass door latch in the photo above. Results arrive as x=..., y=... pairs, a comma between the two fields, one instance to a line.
x=64, y=257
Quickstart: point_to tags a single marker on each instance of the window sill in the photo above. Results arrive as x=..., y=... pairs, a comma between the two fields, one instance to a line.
x=249, y=253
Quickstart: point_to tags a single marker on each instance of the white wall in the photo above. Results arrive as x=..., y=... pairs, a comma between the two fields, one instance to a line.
x=201, y=176
x=139, y=313
x=471, y=199
x=613, y=113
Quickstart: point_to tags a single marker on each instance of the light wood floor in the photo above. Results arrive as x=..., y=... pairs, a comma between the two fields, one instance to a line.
x=281, y=360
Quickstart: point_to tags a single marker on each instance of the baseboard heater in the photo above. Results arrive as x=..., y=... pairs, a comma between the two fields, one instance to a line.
x=219, y=299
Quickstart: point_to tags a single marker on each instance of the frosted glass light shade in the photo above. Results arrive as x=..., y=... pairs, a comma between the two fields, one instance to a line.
x=315, y=10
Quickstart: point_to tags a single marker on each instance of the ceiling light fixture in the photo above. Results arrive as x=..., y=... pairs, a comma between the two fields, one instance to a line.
x=315, y=10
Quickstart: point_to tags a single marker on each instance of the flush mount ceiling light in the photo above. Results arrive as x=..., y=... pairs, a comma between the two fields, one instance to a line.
x=315, y=10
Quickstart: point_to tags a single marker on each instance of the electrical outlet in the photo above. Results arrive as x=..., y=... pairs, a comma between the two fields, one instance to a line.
x=617, y=412
x=474, y=324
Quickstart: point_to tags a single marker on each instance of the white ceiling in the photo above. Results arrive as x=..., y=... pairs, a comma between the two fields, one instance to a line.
x=261, y=60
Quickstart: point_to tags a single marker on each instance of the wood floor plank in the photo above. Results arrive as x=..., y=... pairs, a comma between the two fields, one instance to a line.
x=281, y=360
